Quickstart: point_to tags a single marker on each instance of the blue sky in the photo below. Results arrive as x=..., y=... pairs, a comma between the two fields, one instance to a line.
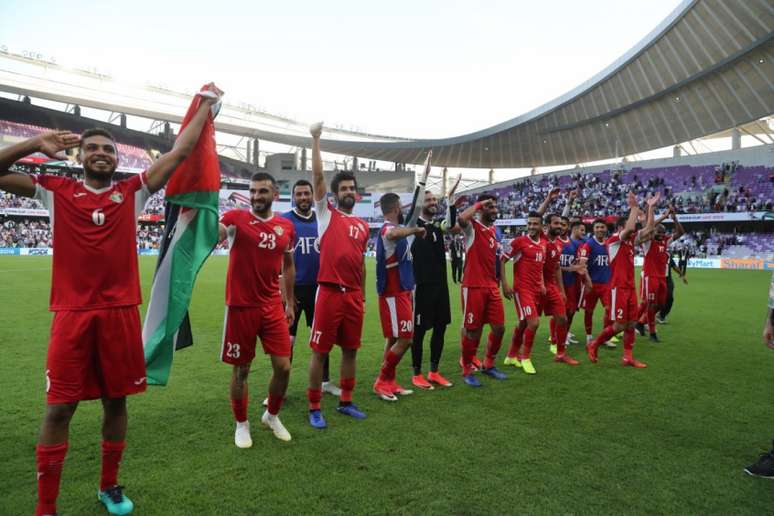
x=421, y=69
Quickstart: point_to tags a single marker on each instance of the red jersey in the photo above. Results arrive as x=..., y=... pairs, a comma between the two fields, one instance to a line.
x=621, y=260
x=481, y=255
x=656, y=257
x=95, y=241
x=343, y=239
x=529, y=258
x=553, y=257
x=256, y=249
x=392, y=286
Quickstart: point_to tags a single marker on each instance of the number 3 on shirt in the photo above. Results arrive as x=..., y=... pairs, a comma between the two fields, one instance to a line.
x=268, y=241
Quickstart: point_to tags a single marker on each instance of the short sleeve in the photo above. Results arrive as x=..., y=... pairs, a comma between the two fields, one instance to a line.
x=138, y=184
x=323, y=211
x=45, y=186
x=292, y=238
x=229, y=218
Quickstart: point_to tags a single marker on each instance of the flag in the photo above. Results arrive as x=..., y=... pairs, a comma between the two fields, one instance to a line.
x=190, y=234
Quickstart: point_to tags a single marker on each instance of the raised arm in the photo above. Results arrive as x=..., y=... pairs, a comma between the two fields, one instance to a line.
x=631, y=222
x=679, y=229
x=463, y=219
x=318, y=180
x=553, y=194
x=163, y=168
x=568, y=207
x=650, y=225
x=52, y=144
x=419, y=192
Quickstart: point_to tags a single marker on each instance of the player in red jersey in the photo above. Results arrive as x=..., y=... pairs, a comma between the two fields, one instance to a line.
x=395, y=286
x=554, y=300
x=529, y=257
x=260, y=250
x=95, y=350
x=653, y=285
x=481, y=301
x=623, y=299
x=340, y=304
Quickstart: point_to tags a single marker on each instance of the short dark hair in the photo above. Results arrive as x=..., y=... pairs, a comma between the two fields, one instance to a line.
x=264, y=176
x=96, y=131
x=301, y=182
x=551, y=216
x=344, y=175
x=486, y=197
x=599, y=221
x=534, y=215
x=566, y=219
x=620, y=222
x=576, y=223
x=389, y=202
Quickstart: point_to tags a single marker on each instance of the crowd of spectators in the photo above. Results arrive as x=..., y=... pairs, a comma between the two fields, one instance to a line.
x=36, y=233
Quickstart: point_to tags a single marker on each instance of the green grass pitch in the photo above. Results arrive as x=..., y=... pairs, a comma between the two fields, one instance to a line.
x=670, y=439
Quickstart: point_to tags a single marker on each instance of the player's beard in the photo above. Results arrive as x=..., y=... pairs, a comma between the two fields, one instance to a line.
x=346, y=202
x=429, y=212
x=103, y=174
x=304, y=207
x=261, y=208
x=555, y=232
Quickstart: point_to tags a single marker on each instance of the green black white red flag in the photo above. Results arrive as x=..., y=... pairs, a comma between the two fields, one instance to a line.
x=190, y=234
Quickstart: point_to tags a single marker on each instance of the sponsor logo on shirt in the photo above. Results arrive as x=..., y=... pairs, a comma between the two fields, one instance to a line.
x=117, y=197
x=79, y=194
x=140, y=381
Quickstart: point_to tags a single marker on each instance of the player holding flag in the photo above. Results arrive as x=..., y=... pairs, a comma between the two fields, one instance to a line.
x=338, y=311
x=95, y=350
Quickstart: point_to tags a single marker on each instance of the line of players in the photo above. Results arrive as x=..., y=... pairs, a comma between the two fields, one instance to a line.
x=265, y=296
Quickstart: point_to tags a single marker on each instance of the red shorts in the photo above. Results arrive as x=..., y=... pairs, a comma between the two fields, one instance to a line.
x=95, y=354
x=397, y=315
x=653, y=290
x=480, y=306
x=598, y=292
x=552, y=303
x=623, y=304
x=338, y=319
x=527, y=303
x=245, y=324
x=573, y=296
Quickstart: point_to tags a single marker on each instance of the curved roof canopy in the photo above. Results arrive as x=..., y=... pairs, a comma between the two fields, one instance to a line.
x=708, y=67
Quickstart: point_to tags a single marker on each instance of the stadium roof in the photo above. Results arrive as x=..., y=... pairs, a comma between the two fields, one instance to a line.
x=708, y=67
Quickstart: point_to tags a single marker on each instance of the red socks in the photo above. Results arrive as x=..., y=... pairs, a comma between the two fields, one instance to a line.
x=347, y=386
x=607, y=334
x=493, y=345
x=529, y=340
x=469, y=348
x=274, y=404
x=314, y=396
x=516, y=340
x=588, y=321
x=391, y=361
x=112, y=451
x=628, y=342
x=561, y=336
x=651, y=320
x=50, y=460
x=552, y=331
x=239, y=408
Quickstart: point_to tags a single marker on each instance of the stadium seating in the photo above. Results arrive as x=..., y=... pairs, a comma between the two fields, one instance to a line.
x=130, y=158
